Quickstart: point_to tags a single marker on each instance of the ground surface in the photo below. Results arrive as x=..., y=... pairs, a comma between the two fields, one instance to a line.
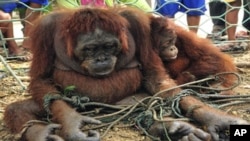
x=11, y=90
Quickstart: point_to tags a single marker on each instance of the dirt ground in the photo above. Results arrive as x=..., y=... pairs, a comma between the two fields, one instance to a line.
x=11, y=90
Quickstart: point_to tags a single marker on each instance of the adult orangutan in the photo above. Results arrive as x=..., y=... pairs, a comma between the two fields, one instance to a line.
x=213, y=120
x=89, y=48
x=98, y=52
x=188, y=57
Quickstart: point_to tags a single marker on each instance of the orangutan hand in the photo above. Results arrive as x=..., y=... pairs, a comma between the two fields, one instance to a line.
x=179, y=130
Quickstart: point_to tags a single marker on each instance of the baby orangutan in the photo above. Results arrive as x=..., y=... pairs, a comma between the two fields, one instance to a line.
x=188, y=57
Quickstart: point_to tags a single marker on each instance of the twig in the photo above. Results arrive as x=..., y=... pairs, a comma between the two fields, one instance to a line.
x=243, y=65
x=3, y=102
x=12, y=73
x=231, y=104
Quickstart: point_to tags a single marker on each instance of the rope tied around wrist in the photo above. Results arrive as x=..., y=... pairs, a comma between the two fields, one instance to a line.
x=68, y=96
x=175, y=102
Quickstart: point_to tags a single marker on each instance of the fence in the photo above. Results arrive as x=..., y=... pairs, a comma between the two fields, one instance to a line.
x=4, y=39
x=205, y=26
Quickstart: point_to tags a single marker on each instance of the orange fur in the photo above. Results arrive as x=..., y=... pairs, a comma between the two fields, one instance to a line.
x=196, y=55
x=54, y=36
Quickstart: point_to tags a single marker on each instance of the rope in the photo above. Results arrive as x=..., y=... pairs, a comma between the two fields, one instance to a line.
x=146, y=111
x=213, y=78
